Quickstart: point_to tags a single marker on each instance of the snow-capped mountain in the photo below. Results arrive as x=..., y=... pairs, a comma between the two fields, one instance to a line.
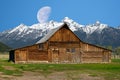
x=118, y=27
x=23, y=35
x=89, y=29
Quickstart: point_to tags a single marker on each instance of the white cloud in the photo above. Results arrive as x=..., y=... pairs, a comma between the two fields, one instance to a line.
x=43, y=14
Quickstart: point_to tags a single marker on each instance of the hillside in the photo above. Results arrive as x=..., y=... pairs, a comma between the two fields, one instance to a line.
x=4, y=48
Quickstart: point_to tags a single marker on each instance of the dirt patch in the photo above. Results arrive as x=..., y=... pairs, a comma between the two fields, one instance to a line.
x=6, y=77
x=4, y=56
x=57, y=76
x=52, y=76
x=8, y=68
x=88, y=77
x=31, y=76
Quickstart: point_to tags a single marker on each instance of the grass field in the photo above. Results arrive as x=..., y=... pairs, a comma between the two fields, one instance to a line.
x=109, y=71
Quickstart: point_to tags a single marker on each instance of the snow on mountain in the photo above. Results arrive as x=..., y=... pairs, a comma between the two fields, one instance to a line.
x=19, y=28
x=43, y=28
x=46, y=26
x=27, y=32
x=30, y=34
x=74, y=26
x=89, y=29
x=118, y=27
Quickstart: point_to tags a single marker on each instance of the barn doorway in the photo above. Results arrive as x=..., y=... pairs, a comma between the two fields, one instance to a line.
x=105, y=57
x=55, y=55
x=21, y=56
x=11, y=56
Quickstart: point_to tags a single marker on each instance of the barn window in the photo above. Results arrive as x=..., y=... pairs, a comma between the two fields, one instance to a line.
x=73, y=50
x=67, y=50
x=41, y=47
x=70, y=50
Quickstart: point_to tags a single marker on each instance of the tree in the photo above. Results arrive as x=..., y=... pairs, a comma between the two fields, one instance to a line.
x=117, y=51
x=109, y=47
x=4, y=48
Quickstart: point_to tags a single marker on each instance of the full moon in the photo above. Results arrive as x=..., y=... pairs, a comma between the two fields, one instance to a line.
x=43, y=14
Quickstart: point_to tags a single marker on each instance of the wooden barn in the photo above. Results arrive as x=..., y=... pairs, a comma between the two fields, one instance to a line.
x=61, y=45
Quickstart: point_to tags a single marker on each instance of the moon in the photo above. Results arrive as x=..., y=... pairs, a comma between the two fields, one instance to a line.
x=43, y=14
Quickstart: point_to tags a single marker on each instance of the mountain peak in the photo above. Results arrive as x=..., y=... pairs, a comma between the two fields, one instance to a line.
x=97, y=22
x=97, y=26
x=22, y=24
x=67, y=20
x=20, y=28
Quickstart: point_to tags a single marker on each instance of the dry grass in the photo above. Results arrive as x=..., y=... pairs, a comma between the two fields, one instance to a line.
x=4, y=55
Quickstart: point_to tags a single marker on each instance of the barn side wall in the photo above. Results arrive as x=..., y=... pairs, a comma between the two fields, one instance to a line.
x=94, y=54
x=31, y=54
x=60, y=52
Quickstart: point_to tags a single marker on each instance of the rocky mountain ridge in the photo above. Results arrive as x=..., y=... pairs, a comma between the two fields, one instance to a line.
x=97, y=33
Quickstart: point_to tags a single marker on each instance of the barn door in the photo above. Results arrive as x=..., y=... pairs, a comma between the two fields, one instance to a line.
x=22, y=55
x=105, y=57
x=55, y=55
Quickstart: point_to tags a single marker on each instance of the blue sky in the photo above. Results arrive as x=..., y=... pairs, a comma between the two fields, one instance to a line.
x=15, y=12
